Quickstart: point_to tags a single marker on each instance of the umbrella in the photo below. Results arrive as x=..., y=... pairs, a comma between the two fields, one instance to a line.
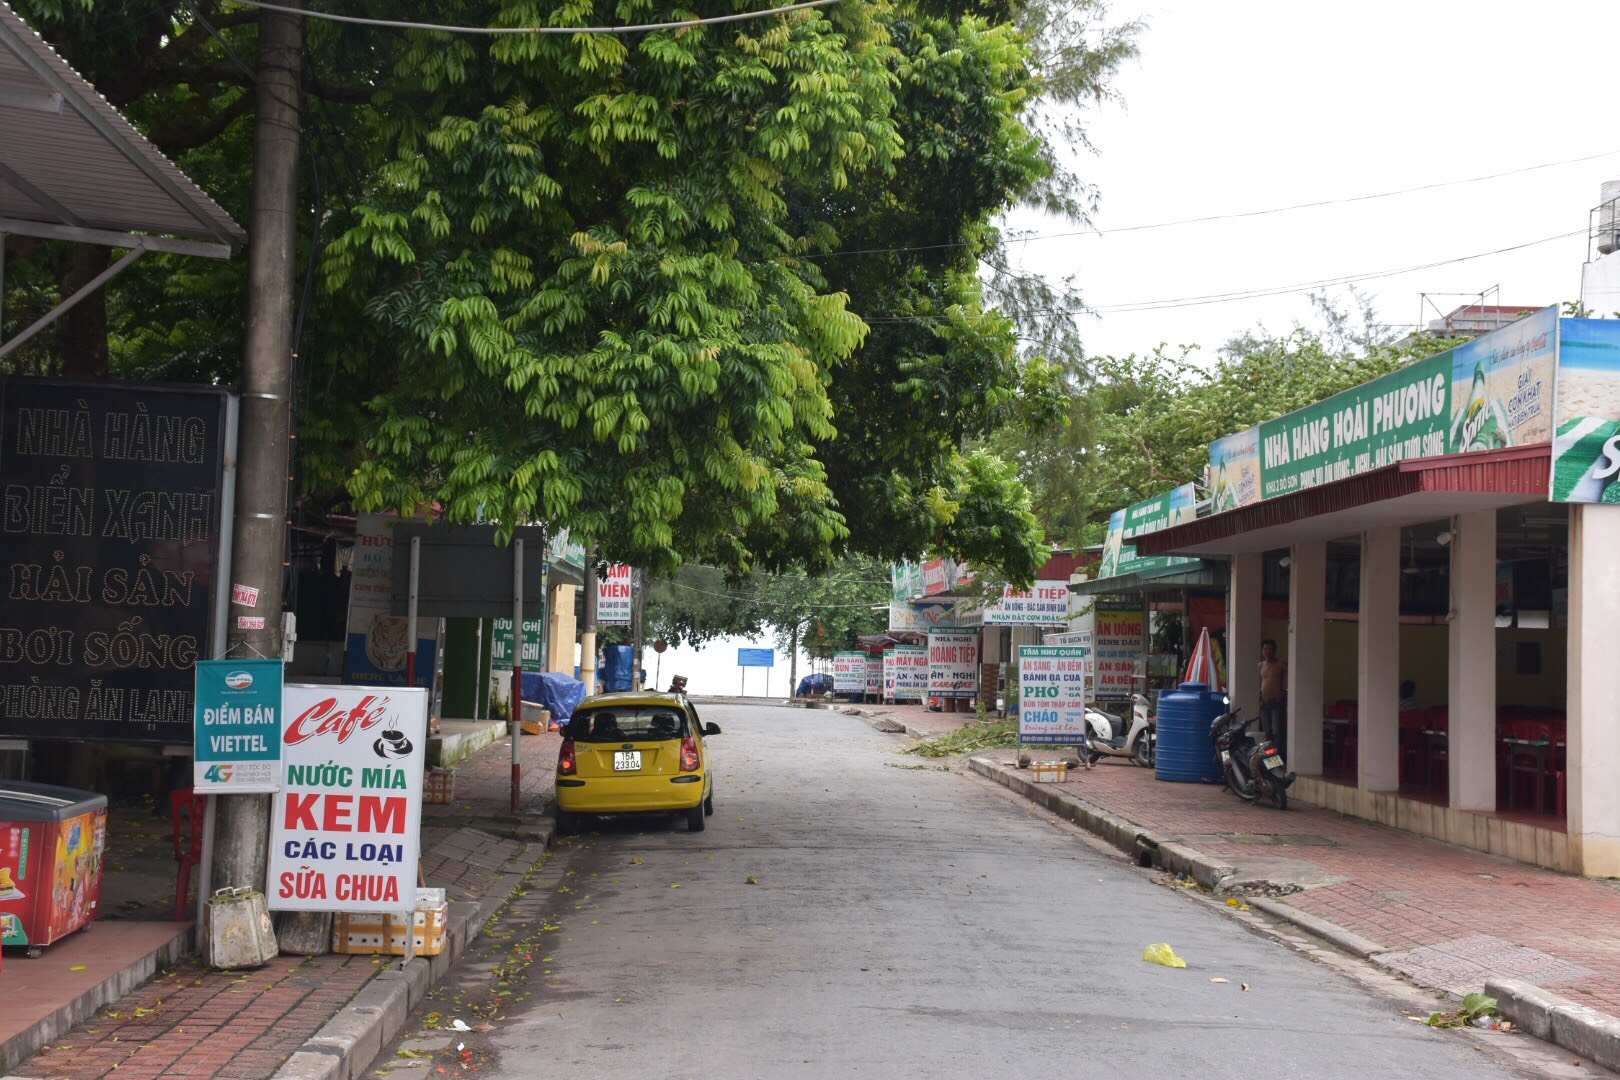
x=1203, y=668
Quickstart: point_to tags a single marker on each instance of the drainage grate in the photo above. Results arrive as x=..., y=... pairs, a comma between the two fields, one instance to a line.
x=1463, y=965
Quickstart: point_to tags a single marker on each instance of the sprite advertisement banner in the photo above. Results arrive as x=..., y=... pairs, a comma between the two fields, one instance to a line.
x=1493, y=392
x=1586, y=449
x=1174, y=507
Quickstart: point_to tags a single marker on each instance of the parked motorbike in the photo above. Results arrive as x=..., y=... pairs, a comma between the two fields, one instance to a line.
x=1253, y=767
x=1107, y=736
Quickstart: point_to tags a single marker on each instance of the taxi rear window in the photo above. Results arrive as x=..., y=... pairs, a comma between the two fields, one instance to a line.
x=650, y=723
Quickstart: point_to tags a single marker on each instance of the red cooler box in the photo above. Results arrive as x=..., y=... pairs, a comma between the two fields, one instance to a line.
x=51, y=842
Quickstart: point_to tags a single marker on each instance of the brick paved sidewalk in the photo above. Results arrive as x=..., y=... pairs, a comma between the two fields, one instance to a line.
x=917, y=718
x=1452, y=916
x=197, y=1023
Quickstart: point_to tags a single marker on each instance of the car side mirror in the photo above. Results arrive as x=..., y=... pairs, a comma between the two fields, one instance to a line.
x=711, y=729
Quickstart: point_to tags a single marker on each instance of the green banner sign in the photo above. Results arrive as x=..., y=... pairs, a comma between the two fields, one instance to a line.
x=500, y=648
x=1119, y=557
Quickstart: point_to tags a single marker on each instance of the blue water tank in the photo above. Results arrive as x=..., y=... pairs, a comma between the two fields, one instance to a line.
x=1186, y=753
x=615, y=673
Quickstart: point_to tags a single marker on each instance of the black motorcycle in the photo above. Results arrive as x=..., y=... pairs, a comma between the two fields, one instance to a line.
x=1253, y=767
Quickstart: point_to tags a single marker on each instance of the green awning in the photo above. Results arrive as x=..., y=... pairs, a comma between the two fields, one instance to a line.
x=1197, y=574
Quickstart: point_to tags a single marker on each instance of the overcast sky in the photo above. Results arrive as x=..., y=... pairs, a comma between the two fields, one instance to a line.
x=1238, y=105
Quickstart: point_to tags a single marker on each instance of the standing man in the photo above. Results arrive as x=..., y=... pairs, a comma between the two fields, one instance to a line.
x=1274, y=695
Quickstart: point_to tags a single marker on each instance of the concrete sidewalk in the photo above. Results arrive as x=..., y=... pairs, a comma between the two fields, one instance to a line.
x=322, y=1016
x=1448, y=918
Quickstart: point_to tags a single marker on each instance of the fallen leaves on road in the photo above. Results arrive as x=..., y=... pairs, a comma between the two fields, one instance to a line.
x=1244, y=987
x=1220, y=980
x=752, y=880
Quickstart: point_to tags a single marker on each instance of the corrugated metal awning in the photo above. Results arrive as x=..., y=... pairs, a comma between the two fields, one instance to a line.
x=69, y=159
x=1405, y=493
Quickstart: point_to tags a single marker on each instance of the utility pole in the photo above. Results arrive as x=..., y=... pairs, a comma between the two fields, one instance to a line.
x=587, y=630
x=242, y=822
x=638, y=608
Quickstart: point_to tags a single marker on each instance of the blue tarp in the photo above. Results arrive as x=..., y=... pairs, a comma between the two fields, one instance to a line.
x=559, y=693
x=814, y=684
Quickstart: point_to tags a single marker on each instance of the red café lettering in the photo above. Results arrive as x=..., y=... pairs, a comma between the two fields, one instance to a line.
x=328, y=718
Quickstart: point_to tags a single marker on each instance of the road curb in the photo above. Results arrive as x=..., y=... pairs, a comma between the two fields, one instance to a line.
x=1348, y=940
x=1579, y=1028
x=347, y=1044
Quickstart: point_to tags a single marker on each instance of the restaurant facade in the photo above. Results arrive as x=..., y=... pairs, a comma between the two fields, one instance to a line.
x=1435, y=555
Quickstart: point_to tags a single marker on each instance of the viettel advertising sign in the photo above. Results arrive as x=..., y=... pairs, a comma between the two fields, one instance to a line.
x=237, y=733
x=346, y=827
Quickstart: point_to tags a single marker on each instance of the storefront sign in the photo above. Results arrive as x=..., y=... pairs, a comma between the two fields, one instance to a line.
x=1492, y=392
x=953, y=664
x=1586, y=451
x=1174, y=507
x=906, y=580
x=1051, y=695
x=874, y=676
x=910, y=672
x=615, y=596
x=1081, y=641
x=346, y=827
x=849, y=673
x=377, y=638
x=938, y=576
x=500, y=643
x=1120, y=635
x=1047, y=604
x=109, y=556
x=921, y=617
x=237, y=733
x=890, y=668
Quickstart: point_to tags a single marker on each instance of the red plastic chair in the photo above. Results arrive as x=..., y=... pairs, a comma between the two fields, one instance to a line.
x=186, y=810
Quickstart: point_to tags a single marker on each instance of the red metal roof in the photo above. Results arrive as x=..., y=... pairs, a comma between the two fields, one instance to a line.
x=1401, y=494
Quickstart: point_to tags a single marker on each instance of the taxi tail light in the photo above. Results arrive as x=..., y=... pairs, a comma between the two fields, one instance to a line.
x=689, y=755
x=565, y=759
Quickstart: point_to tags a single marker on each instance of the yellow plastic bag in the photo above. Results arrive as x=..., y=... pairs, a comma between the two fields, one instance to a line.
x=1163, y=954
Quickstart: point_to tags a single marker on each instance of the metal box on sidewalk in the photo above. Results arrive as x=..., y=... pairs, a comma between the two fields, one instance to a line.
x=51, y=844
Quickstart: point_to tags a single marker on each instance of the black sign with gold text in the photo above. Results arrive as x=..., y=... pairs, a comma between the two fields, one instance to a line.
x=109, y=547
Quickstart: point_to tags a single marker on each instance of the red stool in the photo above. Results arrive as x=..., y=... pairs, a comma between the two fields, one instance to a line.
x=186, y=810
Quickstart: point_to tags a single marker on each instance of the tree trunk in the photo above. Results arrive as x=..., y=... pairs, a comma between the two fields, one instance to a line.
x=587, y=628
x=82, y=329
x=638, y=607
x=243, y=822
x=793, y=659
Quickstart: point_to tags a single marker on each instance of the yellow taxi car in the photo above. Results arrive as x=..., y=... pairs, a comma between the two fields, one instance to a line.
x=634, y=752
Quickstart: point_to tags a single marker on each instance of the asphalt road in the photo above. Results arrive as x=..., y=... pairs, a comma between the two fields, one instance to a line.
x=906, y=922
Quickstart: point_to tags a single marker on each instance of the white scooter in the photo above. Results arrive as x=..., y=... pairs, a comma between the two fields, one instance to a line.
x=1107, y=736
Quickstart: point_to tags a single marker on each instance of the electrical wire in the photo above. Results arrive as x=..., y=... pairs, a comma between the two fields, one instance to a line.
x=1248, y=294
x=1233, y=216
x=393, y=24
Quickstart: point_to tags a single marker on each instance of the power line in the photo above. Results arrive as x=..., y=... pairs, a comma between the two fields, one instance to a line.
x=1249, y=294
x=1233, y=216
x=393, y=24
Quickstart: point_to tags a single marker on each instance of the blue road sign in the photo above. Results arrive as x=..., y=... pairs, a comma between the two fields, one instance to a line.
x=756, y=657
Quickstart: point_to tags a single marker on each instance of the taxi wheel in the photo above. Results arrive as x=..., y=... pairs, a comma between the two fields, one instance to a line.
x=708, y=804
x=694, y=819
x=567, y=823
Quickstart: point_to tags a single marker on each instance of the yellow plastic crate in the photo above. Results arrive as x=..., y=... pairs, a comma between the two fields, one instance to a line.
x=1049, y=772
x=369, y=933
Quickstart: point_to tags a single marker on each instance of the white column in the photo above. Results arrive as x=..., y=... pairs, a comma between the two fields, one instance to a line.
x=1243, y=633
x=1471, y=687
x=1594, y=707
x=1378, y=680
x=1307, y=597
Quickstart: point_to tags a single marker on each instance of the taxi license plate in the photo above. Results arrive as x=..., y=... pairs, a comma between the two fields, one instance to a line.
x=1273, y=762
x=627, y=761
